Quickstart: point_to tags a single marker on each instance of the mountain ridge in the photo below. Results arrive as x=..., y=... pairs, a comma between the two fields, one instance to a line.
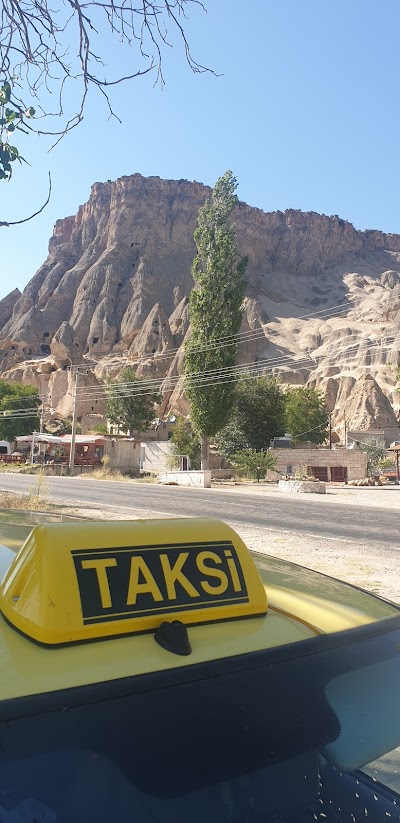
x=114, y=290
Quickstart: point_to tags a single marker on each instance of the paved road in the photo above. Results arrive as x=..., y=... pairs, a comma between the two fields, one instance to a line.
x=299, y=515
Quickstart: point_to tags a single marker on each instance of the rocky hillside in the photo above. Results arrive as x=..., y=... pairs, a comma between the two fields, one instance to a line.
x=322, y=304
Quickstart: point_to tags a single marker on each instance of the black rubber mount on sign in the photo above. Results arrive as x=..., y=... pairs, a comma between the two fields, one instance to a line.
x=173, y=637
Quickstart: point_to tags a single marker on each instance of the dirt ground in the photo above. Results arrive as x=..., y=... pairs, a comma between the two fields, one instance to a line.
x=358, y=563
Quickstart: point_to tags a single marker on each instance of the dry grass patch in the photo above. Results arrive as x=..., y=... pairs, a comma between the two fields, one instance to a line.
x=105, y=474
x=24, y=502
x=37, y=498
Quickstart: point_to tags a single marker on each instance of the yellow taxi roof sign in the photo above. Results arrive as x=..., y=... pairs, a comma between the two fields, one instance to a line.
x=74, y=582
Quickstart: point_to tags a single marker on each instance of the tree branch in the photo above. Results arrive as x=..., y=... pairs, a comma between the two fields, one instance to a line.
x=26, y=219
x=35, y=39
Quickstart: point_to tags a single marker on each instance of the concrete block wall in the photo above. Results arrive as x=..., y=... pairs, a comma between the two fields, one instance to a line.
x=356, y=461
x=154, y=456
x=198, y=479
x=123, y=454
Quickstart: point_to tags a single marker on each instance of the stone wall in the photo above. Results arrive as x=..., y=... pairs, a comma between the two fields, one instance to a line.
x=154, y=456
x=289, y=461
x=302, y=487
x=123, y=454
x=198, y=479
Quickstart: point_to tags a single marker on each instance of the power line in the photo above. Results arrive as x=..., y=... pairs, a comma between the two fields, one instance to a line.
x=147, y=387
x=247, y=336
x=23, y=409
x=100, y=388
x=18, y=416
x=133, y=388
x=255, y=370
x=250, y=334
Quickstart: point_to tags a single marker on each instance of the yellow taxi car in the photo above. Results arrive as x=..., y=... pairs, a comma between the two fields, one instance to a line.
x=158, y=672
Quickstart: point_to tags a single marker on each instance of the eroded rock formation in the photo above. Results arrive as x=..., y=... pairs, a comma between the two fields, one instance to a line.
x=322, y=305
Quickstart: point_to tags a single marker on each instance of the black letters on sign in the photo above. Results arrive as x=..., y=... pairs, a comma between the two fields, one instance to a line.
x=140, y=581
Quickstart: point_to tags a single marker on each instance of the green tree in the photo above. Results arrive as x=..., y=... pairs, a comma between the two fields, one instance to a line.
x=253, y=463
x=13, y=398
x=307, y=418
x=184, y=441
x=215, y=311
x=258, y=416
x=130, y=407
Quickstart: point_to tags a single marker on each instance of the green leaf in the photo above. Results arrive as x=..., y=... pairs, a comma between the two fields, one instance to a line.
x=5, y=93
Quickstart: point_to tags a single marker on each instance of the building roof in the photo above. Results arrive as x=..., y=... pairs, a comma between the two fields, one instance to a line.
x=83, y=438
x=66, y=438
x=39, y=438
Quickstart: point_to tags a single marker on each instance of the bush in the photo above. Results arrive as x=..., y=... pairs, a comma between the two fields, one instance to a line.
x=252, y=463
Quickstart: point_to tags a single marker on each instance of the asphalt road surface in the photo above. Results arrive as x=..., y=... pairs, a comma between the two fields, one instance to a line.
x=324, y=518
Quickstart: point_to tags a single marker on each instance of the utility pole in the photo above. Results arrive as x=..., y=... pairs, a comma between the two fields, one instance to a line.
x=32, y=446
x=330, y=431
x=345, y=434
x=74, y=422
x=42, y=416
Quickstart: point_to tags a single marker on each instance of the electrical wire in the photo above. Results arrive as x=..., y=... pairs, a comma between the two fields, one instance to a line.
x=168, y=383
x=246, y=337
x=275, y=362
x=250, y=334
x=154, y=381
x=147, y=387
x=18, y=416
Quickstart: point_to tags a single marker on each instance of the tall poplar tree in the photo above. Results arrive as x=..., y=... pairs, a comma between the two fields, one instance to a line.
x=215, y=312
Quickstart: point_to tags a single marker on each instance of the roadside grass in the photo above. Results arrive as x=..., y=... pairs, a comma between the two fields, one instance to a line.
x=101, y=473
x=14, y=468
x=38, y=494
x=37, y=498
x=26, y=502
x=20, y=468
x=105, y=473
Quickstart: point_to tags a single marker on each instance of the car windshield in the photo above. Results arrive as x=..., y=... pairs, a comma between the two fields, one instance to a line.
x=277, y=736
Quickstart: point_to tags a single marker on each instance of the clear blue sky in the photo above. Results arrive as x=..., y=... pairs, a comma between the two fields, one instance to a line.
x=306, y=114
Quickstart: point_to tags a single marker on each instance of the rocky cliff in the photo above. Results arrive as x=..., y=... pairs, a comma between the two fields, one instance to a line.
x=7, y=306
x=322, y=305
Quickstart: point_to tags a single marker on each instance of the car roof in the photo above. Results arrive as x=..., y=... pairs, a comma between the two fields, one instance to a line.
x=302, y=605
